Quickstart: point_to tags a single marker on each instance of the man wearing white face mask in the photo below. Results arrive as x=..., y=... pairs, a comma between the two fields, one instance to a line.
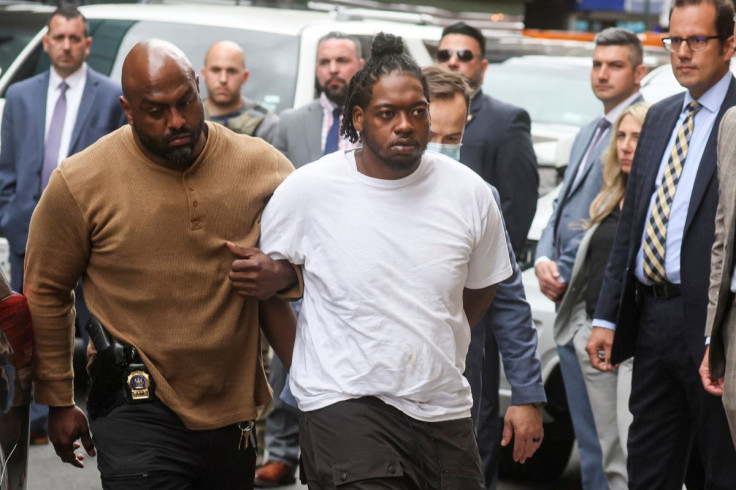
x=509, y=316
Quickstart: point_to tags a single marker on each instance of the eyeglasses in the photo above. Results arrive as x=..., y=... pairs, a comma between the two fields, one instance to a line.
x=464, y=55
x=695, y=43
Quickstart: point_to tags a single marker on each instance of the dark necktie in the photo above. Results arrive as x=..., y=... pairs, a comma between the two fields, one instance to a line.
x=333, y=133
x=655, y=241
x=53, y=139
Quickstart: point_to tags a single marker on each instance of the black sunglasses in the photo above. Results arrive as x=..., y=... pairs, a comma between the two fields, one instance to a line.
x=463, y=55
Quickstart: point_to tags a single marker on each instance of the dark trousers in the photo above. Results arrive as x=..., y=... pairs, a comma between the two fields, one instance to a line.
x=146, y=446
x=483, y=374
x=672, y=410
x=365, y=444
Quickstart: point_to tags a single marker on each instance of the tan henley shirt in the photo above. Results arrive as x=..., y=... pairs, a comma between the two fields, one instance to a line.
x=149, y=243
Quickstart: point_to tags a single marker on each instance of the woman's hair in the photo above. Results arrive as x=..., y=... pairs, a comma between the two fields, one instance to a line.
x=614, y=180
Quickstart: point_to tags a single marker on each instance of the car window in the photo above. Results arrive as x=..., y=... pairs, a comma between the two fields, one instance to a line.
x=552, y=94
x=271, y=58
x=17, y=28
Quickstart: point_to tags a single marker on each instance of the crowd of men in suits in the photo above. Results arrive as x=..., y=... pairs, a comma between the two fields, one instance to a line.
x=669, y=284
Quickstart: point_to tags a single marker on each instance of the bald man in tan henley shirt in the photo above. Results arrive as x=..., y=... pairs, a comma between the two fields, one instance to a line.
x=150, y=217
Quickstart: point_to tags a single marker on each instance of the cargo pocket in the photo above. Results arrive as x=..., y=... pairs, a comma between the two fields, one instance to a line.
x=366, y=465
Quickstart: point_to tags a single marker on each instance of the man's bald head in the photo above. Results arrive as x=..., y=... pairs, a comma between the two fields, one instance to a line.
x=161, y=101
x=225, y=48
x=143, y=64
x=224, y=75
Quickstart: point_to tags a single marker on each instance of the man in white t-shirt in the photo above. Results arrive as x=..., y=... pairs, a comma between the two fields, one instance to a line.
x=401, y=252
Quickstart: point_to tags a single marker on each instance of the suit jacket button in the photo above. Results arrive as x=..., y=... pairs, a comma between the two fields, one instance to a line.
x=343, y=476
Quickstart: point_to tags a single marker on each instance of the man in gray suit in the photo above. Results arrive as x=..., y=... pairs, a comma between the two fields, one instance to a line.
x=304, y=135
x=47, y=118
x=718, y=368
x=615, y=77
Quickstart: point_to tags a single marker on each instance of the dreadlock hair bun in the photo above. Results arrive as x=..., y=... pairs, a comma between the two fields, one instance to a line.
x=386, y=45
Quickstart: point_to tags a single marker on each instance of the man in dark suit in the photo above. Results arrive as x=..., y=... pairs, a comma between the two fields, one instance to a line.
x=47, y=118
x=497, y=145
x=615, y=75
x=303, y=136
x=497, y=142
x=655, y=292
x=510, y=317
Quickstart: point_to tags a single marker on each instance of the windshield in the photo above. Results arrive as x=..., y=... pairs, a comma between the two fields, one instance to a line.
x=557, y=93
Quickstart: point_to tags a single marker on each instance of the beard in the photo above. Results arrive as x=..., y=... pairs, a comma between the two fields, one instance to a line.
x=179, y=154
x=338, y=94
x=399, y=164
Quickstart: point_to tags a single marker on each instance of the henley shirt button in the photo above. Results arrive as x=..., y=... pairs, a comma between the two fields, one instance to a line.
x=191, y=187
x=344, y=476
x=195, y=204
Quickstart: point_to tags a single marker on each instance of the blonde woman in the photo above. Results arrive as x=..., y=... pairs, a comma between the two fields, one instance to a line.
x=608, y=391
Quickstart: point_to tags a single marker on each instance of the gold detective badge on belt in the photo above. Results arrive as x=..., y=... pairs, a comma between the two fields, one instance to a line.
x=139, y=386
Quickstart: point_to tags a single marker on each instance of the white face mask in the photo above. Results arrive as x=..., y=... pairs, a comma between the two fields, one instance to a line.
x=451, y=150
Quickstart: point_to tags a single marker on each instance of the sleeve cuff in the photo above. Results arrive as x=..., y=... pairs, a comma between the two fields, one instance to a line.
x=597, y=322
x=528, y=394
x=54, y=393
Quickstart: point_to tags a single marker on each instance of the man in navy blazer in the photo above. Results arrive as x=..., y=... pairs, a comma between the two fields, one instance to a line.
x=660, y=321
x=615, y=76
x=92, y=111
x=497, y=144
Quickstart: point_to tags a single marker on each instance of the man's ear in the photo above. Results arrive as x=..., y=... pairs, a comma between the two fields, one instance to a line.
x=358, y=118
x=127, y=108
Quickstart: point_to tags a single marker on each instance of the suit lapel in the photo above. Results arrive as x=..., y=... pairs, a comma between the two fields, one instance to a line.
x=653, y=159
x=38, y=102
x=86, y=106
x=707, y=167
x=313, y=130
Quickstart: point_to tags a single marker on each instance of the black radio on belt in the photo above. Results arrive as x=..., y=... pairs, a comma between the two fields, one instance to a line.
x=116, y=365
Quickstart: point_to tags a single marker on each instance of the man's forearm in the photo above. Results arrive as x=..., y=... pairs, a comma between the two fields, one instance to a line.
x=278, y=323
x=476, y=302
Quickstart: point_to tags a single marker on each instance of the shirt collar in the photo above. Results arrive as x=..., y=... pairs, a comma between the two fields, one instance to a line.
x=327, y=104
x=73, y=80
x=613, y=114
x=713, y=98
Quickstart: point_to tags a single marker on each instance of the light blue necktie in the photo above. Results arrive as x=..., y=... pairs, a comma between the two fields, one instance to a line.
x=53, y=139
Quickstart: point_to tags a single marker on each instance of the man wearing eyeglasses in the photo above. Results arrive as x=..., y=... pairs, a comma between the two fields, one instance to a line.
x=654, y=298
x=615, y=76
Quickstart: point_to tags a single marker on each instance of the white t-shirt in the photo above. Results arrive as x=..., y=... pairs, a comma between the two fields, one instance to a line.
x=385, y=263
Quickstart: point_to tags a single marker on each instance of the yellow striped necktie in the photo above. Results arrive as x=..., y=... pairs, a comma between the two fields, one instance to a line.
x=656, y=232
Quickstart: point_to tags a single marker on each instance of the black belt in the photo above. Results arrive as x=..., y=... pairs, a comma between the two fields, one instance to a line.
x=662, y=290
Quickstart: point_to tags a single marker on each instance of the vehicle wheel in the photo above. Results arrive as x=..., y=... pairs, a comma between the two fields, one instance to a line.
x=550, y=460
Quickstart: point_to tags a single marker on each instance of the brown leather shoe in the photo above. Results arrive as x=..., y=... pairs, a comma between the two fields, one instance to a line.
x=274, y=474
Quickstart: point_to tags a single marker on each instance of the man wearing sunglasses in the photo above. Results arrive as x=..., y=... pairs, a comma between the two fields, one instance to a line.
x=654, y=299
x=497, y=142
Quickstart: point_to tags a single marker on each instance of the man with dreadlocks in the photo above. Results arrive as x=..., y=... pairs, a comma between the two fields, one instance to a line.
x=401, y=252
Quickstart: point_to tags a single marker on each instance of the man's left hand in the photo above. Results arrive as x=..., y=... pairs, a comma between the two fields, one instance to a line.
x=712, y=385
x=524, y=424
x=256, y=275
